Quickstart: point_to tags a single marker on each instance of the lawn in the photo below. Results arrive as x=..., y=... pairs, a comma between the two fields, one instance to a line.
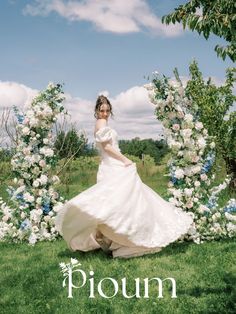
x=31, y=280
x=205, y=275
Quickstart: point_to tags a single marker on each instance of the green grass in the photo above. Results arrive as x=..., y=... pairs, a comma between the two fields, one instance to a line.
x=31, y=281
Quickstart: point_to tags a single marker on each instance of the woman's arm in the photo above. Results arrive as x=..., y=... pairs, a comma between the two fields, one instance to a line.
x=109, y=148
x=115, y=154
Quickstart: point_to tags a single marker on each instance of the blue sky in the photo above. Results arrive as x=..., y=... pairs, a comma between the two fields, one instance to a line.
x=75, y=42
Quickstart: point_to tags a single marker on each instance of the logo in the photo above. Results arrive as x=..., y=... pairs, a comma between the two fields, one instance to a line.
x=73, y=269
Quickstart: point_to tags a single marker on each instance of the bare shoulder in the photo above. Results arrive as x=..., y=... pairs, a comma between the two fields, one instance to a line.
x=100, y=123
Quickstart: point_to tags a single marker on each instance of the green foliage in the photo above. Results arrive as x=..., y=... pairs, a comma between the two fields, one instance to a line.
x=72, y=144
x=213, y=103
x=137, y=147
x=217, y=17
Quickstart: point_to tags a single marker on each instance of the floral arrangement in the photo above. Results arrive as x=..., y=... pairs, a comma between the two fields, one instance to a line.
x=193, y=155
x=34, y=202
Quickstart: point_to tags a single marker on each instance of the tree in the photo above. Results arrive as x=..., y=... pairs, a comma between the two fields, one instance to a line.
x=213, y=103
x=70, y=144
x=136, y=147
x=217, y=17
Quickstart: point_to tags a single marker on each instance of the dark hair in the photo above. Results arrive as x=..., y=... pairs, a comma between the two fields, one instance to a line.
x=100, y=101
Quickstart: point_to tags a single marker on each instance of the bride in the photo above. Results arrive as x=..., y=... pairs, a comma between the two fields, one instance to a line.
x=119, y=214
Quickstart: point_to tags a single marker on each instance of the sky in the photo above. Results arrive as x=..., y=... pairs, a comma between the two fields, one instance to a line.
x=98, y=47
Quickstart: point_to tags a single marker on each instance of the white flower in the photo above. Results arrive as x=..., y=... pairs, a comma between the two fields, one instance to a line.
x=196, y=169
x=32, y=238
x=35, y=215
x=48, y=152
x=230, y=217
x=188, y=192
x=177, y=193
x=43, y=179
x=170, y=98
x=173, y=201
x=25, y=130
x=205, y=132
x=170, y=184
x=45, y=141
x=47, y=218
x=35, y=229
x=197, y=183
x=36, y=183
x=175, y=127
x=23, y=215
x=188, y=117
x=42, y=163
x=201, y=142
x=26, y=150
x=189, y=204
x=180, y=114
x=198, y=125
x=171, y=115
x=19, y=190
x=186, y=133
x=179, y=173
x=231, y=227
x=29, y=198
x=202, y=208
x=43, y=224
x=203, y=177
x=33, y=122
x=39, y=200
x=148, y=86
x=30, y=114
x=5, y=218
x=212, y=145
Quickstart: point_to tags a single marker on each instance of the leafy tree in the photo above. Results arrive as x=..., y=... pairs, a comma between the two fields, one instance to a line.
x=70, y=144
x=213, y=103
x=136, y=147
x=217, y=17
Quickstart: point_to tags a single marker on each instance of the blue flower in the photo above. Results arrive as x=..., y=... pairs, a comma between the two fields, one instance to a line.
x=208, y=162
x=46, y=208
x=25, y=225
x=230, y=208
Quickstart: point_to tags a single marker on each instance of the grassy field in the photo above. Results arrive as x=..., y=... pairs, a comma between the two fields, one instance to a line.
x=31, y=281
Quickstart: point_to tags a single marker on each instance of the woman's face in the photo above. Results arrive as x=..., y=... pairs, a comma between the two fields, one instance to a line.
x=104, y=111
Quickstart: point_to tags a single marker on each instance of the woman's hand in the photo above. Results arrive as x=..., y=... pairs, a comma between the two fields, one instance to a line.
x=127, y=162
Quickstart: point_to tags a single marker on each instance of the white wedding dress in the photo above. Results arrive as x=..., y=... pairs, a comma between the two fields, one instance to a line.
x=121, y=207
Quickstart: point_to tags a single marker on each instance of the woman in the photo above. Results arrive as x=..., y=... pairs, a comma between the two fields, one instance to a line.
x=119, y=214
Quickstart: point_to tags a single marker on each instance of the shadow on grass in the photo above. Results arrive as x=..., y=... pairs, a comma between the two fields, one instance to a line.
x=84, y=255
x=171, y=249
x=226, y=291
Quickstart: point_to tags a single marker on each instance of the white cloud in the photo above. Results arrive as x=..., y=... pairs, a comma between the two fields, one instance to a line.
x=116, y=16
x=12, y=93
x=133, y=113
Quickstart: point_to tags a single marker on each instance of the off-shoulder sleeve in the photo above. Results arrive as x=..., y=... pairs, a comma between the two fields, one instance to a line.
x=103, y=135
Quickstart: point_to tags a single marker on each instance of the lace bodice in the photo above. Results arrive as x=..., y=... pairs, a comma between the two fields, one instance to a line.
x=103, y=135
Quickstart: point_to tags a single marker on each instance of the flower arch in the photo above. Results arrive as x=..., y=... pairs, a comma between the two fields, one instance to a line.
x=190, y=166
x=33, y=198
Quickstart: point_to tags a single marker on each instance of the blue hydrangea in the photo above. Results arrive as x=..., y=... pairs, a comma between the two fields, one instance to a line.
x=25, y=225
x=46, y=208
x=230, y=207
x=208, y=162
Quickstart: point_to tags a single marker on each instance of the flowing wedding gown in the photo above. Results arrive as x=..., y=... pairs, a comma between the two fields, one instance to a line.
x=121, y=207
